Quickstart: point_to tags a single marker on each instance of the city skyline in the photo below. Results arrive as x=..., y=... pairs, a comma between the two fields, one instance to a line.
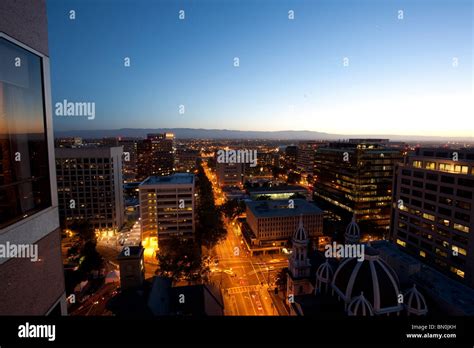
x=127, y=199
x=182, y=74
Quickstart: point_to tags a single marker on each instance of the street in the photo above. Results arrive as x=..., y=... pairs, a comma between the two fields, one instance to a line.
x=244, y=280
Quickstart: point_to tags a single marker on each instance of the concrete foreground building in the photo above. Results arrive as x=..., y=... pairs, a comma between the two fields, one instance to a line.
x=32, y=283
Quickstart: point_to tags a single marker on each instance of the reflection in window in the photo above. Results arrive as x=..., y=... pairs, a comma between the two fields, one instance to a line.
x=24, y=171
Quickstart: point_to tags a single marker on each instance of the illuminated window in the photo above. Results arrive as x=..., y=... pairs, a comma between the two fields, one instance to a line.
x=446, y=167
x=457, y=271
x=430, y=165
x=401, y=242
x=417, y=164
x=460, y=169
x=422, y=253
x=444, y=222
x=461, y=228
x=428, y=217
x=459, y=250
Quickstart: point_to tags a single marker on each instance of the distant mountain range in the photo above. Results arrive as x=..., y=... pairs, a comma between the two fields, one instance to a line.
x=189, y=133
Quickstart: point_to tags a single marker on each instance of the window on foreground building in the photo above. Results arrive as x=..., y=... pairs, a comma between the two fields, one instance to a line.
x=24, y=171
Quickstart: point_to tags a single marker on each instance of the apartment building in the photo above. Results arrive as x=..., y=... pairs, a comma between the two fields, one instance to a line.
x=167, y=206
x=433, y=210
x=90, y=186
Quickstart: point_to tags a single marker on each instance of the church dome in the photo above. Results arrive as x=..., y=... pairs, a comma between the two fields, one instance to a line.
x=360, y=306
x=324, y=275
x=300, y=234
x=352, y=234
x=372, y=276
x=324, y=272
x=415, y=302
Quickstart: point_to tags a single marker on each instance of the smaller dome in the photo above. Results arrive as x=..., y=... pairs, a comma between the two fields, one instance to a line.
x=360, y=306
x=324, y=275
x=324, y=272
x=300, y=234
x=415, y=302
x=352, y=234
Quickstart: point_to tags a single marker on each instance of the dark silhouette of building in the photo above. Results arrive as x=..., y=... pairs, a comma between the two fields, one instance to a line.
x=156, y=155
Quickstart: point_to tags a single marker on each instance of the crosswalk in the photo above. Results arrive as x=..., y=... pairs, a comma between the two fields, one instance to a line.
x=241, y=289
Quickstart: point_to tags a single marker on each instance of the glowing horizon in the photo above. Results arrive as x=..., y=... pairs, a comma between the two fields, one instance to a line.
x=345, y=68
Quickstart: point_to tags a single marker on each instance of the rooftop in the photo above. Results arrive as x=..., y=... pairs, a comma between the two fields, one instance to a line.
x=465, y=154
x=174, y=179
x=278, y=188
x=131, y=252
x=279, y=208
x=458, y=296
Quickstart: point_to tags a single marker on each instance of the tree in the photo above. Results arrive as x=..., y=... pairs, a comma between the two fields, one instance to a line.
x=277, y=171
x=90, y=258
x=83, y=230
x=281, y=278
x=129, y=224
x=297, y=195
x=232, y=208
x=263, y=198
x=180, y=259
x=293, y=178
x=209, y=226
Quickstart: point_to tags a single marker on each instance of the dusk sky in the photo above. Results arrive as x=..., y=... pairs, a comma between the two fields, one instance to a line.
x=400, y=78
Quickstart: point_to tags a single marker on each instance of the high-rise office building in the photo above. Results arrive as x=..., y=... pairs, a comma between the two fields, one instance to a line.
x=90, y=187
x=156, y=155
x=187, y=160
x=32, y=278
x=290, y=156
x=355, y=177
x=130, y=148
x=433, y=210
x=167, y=206
x=305, y=157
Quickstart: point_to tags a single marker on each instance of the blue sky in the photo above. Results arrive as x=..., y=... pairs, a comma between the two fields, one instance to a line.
x=400, y=78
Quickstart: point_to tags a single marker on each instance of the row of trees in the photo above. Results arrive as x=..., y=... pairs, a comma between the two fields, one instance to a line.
x=209, y=227
x=232, y=208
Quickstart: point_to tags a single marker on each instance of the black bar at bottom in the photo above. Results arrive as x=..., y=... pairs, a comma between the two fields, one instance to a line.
x=238, y=330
